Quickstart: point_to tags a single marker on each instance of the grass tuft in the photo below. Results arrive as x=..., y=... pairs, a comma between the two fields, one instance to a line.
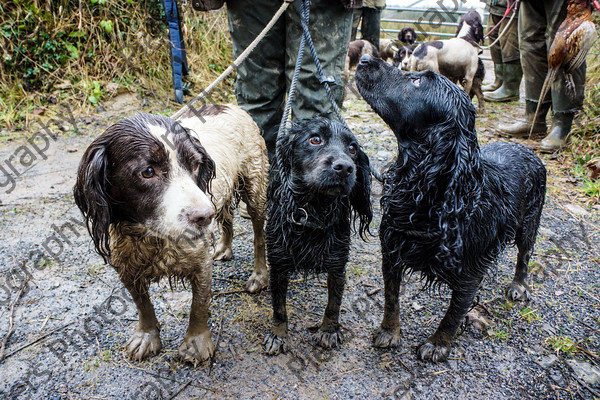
x=529, y=315
x=562, y=344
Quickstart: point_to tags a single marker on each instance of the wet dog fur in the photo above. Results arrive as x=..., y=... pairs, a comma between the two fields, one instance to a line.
x=150, y=189
x=319, y=181
x=449, y=207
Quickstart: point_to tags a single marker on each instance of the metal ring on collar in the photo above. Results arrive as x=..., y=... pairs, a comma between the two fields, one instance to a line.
x=303, y=219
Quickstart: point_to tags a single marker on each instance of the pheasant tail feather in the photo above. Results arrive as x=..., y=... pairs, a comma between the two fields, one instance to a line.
x=545, y=88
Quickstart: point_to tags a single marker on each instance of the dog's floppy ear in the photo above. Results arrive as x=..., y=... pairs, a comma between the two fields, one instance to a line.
x=92, y=197
x=463, y=190
x=182, y=134
x=207, y=170
x=360, y=197
x=478, y=33
x=284, y=154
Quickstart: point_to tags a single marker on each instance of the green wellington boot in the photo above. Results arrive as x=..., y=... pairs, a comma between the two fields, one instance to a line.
x=521, y=128
x=557, y=138
x=511, y=80
x=498, y=70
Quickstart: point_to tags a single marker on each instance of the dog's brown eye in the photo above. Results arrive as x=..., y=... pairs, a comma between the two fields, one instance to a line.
x=352, y=149
x=316, y=140
x=148, y=173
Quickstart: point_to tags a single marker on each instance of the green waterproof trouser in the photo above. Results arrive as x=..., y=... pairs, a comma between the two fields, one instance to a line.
x=507, y=48
x=370, y=24
x=263, y=79
x=538, y=22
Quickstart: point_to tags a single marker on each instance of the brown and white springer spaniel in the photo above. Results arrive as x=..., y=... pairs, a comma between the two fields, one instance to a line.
x=151, y=188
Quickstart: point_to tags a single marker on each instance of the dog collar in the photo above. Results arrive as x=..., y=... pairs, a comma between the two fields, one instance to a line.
x=299, y=217
x=419, y=234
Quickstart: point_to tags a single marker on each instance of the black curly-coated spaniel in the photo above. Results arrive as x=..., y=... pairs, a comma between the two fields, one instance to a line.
x=449, y=208
x=320, y=179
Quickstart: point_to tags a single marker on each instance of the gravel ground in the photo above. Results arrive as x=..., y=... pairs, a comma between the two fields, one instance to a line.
x=69, y=316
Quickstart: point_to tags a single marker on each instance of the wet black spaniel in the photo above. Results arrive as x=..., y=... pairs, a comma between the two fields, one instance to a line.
x=449, y=208
x=319, y=180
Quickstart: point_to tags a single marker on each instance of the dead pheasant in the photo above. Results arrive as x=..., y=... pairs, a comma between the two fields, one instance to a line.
x=571, y=44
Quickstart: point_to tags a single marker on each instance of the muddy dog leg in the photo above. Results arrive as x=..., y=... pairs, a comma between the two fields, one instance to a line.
x=145, y=341
x=256, y=208
x=437, y=346
x=476, y=91
x=223, y=249
x=197, y=345
x=467, y=82
x=388, y=333
x=275, y=342
x=518, y=290
x=329, y=334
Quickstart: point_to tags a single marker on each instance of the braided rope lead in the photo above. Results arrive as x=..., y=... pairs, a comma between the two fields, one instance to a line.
x=292, y=91
x=305, y=17
x=515, y=9
x=234, y=65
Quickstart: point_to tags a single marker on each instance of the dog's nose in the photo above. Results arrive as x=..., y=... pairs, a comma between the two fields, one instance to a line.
x=343, y=168
x=365, y=59
x=200, y=217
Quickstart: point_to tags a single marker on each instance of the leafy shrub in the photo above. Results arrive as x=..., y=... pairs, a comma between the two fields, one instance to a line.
x=70, y=49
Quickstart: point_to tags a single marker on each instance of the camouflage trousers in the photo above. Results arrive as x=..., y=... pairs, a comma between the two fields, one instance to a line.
x=538, y=22
x=263, y=79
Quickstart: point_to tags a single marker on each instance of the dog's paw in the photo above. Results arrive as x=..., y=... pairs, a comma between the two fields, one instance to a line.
x=328, y=339
x=387, y=337
x=222, y=253
x=274, y=344
x=143, y=344
x=257, y=282
x=435, y=353
x=518, y=292
x=198, y=348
